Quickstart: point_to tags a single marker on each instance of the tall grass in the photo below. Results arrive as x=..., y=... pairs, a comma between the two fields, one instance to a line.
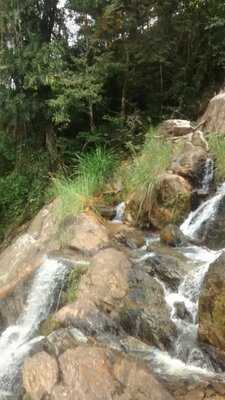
x=90, y=174
x=217, y=148
x=141, y=175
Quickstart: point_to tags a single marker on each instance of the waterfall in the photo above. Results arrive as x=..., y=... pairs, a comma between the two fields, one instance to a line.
x=120, y=209
x=208, y=175
x=187, y=358
x=17, y=340
x=204, y=213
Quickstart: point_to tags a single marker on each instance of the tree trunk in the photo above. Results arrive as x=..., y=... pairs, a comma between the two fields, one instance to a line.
x=91, y=117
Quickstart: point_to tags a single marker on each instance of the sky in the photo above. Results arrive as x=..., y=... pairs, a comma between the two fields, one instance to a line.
x=71, y=26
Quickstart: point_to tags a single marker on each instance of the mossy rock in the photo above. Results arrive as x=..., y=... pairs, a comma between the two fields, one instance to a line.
x=70, y=294
x=48, y=326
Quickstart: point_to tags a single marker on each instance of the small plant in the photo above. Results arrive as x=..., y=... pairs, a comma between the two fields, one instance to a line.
x=217, y=148
x=91, y=173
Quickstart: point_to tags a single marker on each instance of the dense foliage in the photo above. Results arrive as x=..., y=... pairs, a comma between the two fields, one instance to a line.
x=124, y=65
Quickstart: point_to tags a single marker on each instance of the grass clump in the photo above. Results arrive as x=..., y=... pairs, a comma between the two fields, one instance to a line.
x=90, y=174
x=217, y=148
x=141, y=175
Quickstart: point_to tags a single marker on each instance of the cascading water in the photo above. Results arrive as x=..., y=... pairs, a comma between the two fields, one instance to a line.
x=187, y=358
x=208, y=176
x=204, y=214
x=120, y=209
x=17, y=340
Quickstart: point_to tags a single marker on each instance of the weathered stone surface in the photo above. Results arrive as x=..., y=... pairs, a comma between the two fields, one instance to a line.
x=175, y=127
x=40, y=374
x=127, y=235
x=212, y=306
x=85, y=233
x=173, y=236
x=214, y=116
x=166, y=268
x=101, y=291
x=190, y=163
x=95, y=373
x=145, y=313
x=171, y=200
x=213, y=231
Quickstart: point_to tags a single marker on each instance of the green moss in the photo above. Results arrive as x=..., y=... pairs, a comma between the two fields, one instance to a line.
x=75, y=276
x=48, y=326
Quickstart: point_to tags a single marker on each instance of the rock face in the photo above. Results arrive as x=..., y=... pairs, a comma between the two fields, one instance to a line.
x=171, y=200
x=40, y=374
x=94, y=373
x=115, y=296
x=190, y=164
x=213, y=231
x=212, y=306
x=175, y=127
x=214, y=117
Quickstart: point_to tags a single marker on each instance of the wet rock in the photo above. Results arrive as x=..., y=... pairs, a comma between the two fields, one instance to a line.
x=182, y=312
x=166, y=268
x=173, y=236
x=126, y=235
x=40, y=374
x=212, y=231
x=145, y=313
x=106, y=212
x=171, y=200
x=175, y=127
x=96, y=373
x=212, y=306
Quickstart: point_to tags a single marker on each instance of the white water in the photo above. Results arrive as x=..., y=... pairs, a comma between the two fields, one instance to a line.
x=17, y=340
x=187, y=358
x=120, y=210
x=208, y=175
x=204, y=213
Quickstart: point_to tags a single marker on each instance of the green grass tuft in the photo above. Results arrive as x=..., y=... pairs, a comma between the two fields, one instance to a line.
x=140, y=176
x=217, y=148
x=90, y=174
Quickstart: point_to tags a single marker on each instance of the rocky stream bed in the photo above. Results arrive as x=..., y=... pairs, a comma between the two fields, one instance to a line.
x=148, y=318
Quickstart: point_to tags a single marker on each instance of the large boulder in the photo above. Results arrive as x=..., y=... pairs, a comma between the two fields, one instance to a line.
x=95, y=373
x=171, y=200
x=115, y=295
x=212, y=231
x=190, y=163
x=214, y=117
x=145, y=313
x=212, y=306
x=175, y=127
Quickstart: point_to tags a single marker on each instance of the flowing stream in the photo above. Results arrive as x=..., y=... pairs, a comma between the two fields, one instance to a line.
x=186, y=357
x=17, y=341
